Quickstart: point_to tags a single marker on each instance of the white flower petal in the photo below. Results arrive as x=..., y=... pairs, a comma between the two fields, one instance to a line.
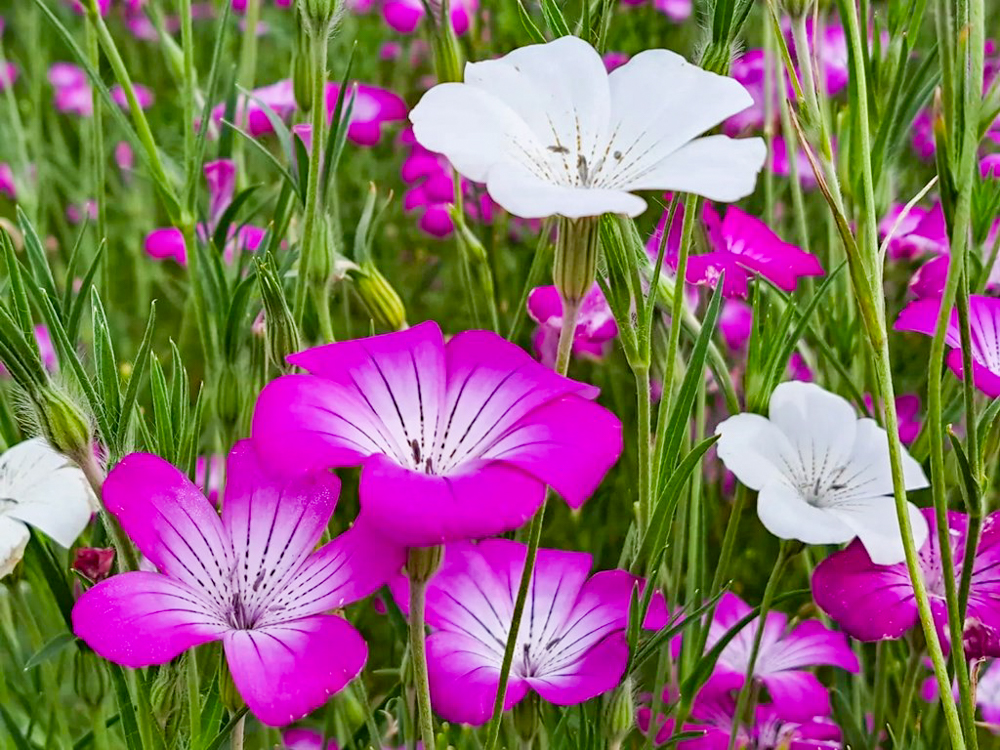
x=874, y=522
x=523, y=194
x=659, y=102
x=559, y=89
x=13, y=539
x=472, y=128
x=786, y=515
x=755, y=450
x=716, y=167
x=43, y=488
x=820, y=425
x=869, y=468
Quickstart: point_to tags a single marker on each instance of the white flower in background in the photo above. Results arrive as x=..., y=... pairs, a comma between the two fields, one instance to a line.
x=44, y=489
x=822, y=475
x=551, y=132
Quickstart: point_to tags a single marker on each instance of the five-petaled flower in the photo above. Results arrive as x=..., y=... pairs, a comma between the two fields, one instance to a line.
x=822, y=475
x=571, y=643
x=551, y=132
x=456, y=440
x=250, y=579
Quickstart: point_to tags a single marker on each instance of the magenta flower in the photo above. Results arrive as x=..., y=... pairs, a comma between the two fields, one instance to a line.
x=8, y=75
x=677, y=11
x=249, y=579
x=305, y=739
x=784, y=654
x=143, y=95
x=779, y=163
x=404, y=16
x=250, y=115
x=988, y=696
x=920, y=316
x=614, y=60
x=752, y=69
x=46, y=350
x=930, y=278
x=876, y=602
x=908, y=413
x=736, y=323
x=829, y=50
x=595, y=326
x=372, y=109
x=7, y=185
x=921, y=232
x=743, y=246
x=571, y=643
x=456, y=440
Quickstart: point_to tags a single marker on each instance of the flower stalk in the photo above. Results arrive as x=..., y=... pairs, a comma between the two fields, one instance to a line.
x=421, y=565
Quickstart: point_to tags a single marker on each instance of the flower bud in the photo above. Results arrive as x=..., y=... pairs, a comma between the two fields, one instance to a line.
x=575, y=267
x=302, y=72
x=423, y=562
x=798, y=8
x=526, y=718
x=620, y=718
x=319, y=14
x=63, y=423
x=94, y=563
x=228, y=395
x=379, y=298
x=90, y=678
x=281, y=332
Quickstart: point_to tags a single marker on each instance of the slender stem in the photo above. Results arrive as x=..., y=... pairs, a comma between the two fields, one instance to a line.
x=765, y=605
x=190, y=101
x=418, y=653
x=248, y=69
x=644, y=436
x=97, y=147
x=691, y=206
x=910, y=681
x=374, y=738
x=194, y=696
x=975, y=504
x=239, y=731
x=570, y=314
x=100, y=727
x=319, y=46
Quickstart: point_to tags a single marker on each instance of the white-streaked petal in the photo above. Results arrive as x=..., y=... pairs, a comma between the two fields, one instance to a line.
x=716, y=167
x=472, y=128
x=755, y=450
x=14, y=538
x=559, y=89
x=523, y=194
x=786, y=515
x=659, y=102
x=869, y=469
x=821, y=426
x=43, y=488
x=874, y=522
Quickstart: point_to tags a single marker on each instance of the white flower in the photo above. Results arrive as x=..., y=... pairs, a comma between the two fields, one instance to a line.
x=823, y=475
x=550, y=132
x=44, y=489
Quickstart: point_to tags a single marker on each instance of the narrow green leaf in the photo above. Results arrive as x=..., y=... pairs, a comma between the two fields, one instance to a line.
x=50, y=650
x=132, y=390
x=270, y=157
x=126, y=709
x=161, y=410
x=74, y=261
x=227, y=730
x=20, y=743
x=236, y=316
x=55, y=577
x=38, y=262
x=222, y=233
x=80, y=301
x=22, y=310
x=104, y=359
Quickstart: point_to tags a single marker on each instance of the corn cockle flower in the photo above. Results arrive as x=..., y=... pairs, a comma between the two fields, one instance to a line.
x=42, y=488
x=984, y=325
x=405, y=16
x=250, y=579
x=551, y=132
x=571, y=643
x=922, y=231
x=595, y=324
x=305, y=739
x=456, y=440
x=822, y=475
x=876, y=602
x=784, y=655
x=744, y=246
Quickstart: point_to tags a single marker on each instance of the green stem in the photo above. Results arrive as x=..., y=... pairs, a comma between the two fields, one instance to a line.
x=248, y=71
x=975, y=504
x=418, y=653
x=193, y=679
x=239, y=732
x=98, y=165
x=570, y=314
x=374, y=738
x=99, y=727
x=910, y=681
x=765, y=605
x=644, y=436
x=319, y=46
x=190, y=103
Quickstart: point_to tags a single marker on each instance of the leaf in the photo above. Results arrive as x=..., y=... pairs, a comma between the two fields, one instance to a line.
x=221, y=235
x=22, y=310
x=338, y=132
x=88, y=739
x=55, y=577
x=236, y=316
x=20, y=743
x=50, y=650
x=227, y=730
x=132, y=390
x=161, y=410
x=270, y=157
x=76, y=309
x=970, y=486
x=126, y=710
x=37, y=260
x=74, y=259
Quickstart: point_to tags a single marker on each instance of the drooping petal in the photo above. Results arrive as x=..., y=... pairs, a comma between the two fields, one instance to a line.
x=171, y=522
x=14, y=538
x=870, y=602
x=479, y=499
x=274, y=525
x=286, y=671
x=140, y=619
x=44, y=489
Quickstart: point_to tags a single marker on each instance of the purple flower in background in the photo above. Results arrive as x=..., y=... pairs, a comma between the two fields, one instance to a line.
x=209, y=475
x=46, y=351
x=743, y=245
x=989, y=167
x=988, y=695
x=8, y=75
x=876, y=602
x=431, y=190
x=7, y=185
x=102, y=6
x=124, y=156
x=677, y=11
x=250, y=115
x=922, y=231
x=907, y=412
x=614, y=60
x=571, y=645
x=930, y=278
x=751, y=69
x=779, y=163
x=250, y=579
x=829, y=50
x=404, y=16
x=143, y=95
x=372, y=109
x=736, y=323
x=595, y=327
x=784, y=655
x=305, y=739
x=920, y=316
x=455, y=440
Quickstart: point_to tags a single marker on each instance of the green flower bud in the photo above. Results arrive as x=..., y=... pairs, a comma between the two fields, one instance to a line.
x=281, y=332
x=228, y=395
x=63, y=423
x=379, y=297
x=620, y=717
x=229, y=696
x=319, y=14
x=526, y=718
x=798, y=8
x=90, y=678
x=575, y=268
x=423, y=562
x=302, y=72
